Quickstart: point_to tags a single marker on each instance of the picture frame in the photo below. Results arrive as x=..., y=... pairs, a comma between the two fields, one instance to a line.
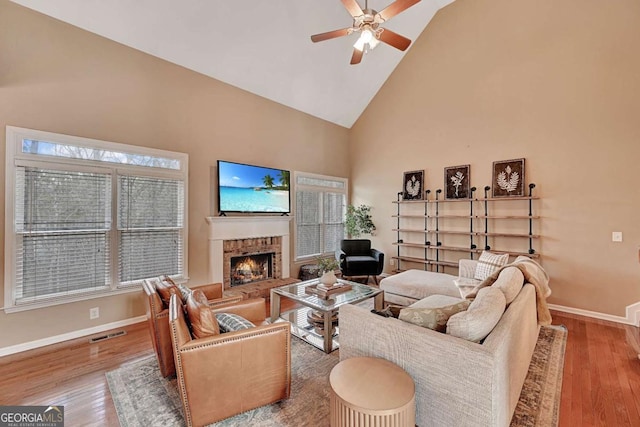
x=508, y=178
x=456, y=182
x=413, y=185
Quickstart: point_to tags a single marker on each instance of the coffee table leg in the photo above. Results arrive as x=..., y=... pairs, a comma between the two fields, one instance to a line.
x=378, y=301
x=328, y=336
x=275, y=306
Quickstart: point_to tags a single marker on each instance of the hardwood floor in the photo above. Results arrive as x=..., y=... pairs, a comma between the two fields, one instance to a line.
x=72, y=374
x=601, y=381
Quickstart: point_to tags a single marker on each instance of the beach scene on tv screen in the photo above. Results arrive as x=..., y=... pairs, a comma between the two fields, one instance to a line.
x=245, y=188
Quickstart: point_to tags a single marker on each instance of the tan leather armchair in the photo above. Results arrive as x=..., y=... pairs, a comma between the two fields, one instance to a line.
x=158, y=318
x=223, y=375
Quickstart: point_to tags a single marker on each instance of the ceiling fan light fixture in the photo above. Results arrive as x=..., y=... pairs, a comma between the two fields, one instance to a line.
x=367, y=40
x=359, y=44
x=367, y=22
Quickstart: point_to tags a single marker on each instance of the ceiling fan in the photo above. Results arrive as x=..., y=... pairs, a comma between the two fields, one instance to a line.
x=367, y=22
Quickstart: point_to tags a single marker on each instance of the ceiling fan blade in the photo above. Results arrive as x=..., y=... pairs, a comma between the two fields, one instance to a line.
x=356, y=57
x=394, y=8
x=331, y=35
x=353, y=7
x=394, y=39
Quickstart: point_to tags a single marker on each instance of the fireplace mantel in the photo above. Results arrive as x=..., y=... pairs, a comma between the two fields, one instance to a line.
x=223, y=228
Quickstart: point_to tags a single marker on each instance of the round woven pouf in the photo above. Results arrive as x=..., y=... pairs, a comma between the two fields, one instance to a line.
x=367, y=391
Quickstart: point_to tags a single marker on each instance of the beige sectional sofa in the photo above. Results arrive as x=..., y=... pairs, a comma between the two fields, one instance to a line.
x=458, y=382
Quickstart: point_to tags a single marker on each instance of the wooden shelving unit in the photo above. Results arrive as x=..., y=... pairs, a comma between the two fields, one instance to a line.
x=445, y=219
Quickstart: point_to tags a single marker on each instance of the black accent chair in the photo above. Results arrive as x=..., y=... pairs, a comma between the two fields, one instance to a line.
x=357, y=258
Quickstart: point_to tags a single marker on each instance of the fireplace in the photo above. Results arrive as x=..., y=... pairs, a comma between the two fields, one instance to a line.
x=251, y=260
x=251, y=268
x=244, y=235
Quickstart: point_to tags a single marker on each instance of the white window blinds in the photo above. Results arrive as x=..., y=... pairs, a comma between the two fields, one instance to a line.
x=88, y=218
x=334, y=206
x=62, y=224
x=150, y=227
x=320, y=208
x=308, y=224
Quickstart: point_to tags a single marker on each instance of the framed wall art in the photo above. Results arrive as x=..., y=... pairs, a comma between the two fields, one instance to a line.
x=508, y=178
x=456, y=182
x=413, y=185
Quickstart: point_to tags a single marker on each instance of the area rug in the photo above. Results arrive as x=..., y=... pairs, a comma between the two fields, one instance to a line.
x=143, y=398
x=539, y=403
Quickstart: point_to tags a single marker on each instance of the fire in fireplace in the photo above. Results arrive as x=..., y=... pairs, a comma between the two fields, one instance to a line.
x=251, y=268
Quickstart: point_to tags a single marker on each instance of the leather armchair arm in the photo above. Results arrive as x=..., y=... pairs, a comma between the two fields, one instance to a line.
x=379, y=256
x=228, y=338
x=225, y=300
x=254, y=309
x=211, y=290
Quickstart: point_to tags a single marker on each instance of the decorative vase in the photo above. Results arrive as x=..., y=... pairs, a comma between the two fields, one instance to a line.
x=328, y=278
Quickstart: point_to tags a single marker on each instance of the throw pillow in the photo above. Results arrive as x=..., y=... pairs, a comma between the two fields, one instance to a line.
x=230, y=322
x=165, y=290
x=184, y=292
x=432, y=318
x=510, y=282
x=203, y=322
x=169, y=279
x=480, y=318
x=389, y=311
x=488, y=263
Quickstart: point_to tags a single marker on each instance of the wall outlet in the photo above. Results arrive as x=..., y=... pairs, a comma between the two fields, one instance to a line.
x=616, y=236
x=94, y=313
x=392, y=262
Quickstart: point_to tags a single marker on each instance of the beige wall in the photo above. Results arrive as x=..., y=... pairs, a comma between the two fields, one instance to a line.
x=58, y=78
x=556, y=82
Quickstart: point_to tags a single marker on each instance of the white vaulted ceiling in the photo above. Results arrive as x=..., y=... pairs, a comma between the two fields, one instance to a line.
x=261, y=46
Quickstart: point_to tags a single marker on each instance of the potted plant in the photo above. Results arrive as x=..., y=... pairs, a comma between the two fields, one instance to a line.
x=358, y=221
x=326, y=267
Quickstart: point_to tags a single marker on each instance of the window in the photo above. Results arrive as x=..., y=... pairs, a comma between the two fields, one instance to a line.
x=320, y=209
x=87, y=218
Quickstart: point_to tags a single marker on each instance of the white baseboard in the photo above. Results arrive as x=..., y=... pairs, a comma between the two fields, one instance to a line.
x=632, y=314
x=5, y=351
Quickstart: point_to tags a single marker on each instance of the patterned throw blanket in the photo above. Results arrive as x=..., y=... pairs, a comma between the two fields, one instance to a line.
x=534, y=274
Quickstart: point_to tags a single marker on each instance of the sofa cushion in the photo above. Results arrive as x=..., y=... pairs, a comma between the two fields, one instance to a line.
x=230, y=322
x=509, y=281
x=203, y=322
x=433, y=317
x=436, y=301
x=488, y=263
x=362, y=262
x=480, y=318
x=418, y=284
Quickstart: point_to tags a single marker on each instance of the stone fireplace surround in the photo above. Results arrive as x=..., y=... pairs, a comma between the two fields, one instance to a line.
x=256, y=231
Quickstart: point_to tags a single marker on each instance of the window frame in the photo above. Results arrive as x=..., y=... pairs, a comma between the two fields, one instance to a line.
x=322, y=190
x=15, y=157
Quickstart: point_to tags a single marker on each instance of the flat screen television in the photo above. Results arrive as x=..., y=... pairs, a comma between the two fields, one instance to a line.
x=252, y=189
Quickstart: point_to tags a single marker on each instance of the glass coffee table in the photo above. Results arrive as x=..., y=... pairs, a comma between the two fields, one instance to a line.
x=316, y=321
